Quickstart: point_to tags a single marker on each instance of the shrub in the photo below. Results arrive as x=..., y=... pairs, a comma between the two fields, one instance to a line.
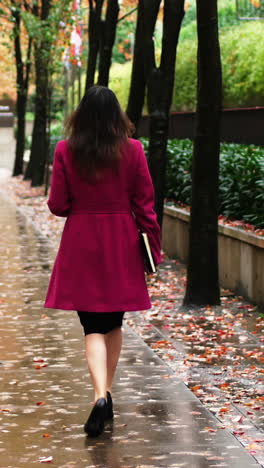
x=242, y=183
x=243, y=71
x=241, y=179
x=120, y=81
x=242, y=62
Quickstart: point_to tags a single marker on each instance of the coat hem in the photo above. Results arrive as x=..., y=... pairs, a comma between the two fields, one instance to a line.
x=134, y=308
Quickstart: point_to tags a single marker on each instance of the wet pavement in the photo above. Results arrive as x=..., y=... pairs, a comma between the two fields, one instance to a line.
x=7, y=149
x=46, y=392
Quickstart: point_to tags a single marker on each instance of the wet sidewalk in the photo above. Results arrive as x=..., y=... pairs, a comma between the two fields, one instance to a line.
x=7, y=150
x=46, y=391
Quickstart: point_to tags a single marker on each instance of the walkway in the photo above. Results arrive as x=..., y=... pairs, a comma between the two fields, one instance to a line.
x=46, y=391
x=7, y=150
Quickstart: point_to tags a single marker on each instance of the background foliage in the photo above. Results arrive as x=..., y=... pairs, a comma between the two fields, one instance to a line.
x=242, y=61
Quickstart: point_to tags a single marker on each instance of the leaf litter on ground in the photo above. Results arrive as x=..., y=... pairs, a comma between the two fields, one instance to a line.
x=216, y=351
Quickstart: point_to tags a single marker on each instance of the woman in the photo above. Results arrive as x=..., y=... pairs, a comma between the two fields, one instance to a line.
x=101, y=183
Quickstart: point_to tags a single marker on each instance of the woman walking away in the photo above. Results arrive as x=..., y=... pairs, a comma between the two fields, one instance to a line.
x=101, y=183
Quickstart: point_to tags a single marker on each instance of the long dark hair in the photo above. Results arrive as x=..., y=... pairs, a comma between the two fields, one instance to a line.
x=96, y=130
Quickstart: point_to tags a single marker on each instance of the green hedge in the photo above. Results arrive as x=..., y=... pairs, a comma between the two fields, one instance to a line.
x=241, y=190
x=242, y=62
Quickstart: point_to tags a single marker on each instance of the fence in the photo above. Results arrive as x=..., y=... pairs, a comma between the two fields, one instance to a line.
x=244, y=126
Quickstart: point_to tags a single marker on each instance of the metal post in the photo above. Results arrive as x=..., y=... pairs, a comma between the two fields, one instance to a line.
x=79, y=84
x=66, y=92
x=72, y=85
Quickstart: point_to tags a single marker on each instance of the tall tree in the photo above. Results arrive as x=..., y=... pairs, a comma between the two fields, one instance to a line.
x=94, y=31
x=202, y=279
x=158, y=80
x=44, y=22
x=12, y=11
x=22, y=83
x=102, y=32
x=138, y=81
x=160, y=83
x=42, y=46
x=107, y=41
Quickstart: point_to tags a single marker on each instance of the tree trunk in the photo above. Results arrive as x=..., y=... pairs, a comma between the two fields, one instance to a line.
x=108, y=39
x=22, y=81
x=36, y=167
x=160, y=82
x=39, y=147
x=20, y=135
x=202, y=279
x=138, y=81
x=94, y=27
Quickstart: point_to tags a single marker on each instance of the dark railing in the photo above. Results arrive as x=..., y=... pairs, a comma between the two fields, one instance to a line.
x=244, y=126
x=6, y=113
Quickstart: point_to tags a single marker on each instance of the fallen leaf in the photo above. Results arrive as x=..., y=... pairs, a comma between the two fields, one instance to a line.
x=238, y=432
x=40, y=366
x=224, y=410
x=45, y=459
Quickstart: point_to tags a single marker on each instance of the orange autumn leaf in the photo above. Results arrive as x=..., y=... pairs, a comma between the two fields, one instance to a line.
x=161, y=344
x=224, y=385
x=210, y=429
x=196, y=387
x=224, y=410
x=170, y=356
x=209, y=360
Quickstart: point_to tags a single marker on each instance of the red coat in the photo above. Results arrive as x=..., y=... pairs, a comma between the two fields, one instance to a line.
x=99, y=265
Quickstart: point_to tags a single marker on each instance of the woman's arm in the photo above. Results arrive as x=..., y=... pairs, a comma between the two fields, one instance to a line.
x=143, y=204
x=59, y=201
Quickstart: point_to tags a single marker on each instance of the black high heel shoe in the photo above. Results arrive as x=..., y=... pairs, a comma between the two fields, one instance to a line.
x=94, y=425
x=109, y=410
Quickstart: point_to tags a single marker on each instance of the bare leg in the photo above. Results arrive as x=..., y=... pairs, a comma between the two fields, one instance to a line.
x=96, y=356
x=113, y=340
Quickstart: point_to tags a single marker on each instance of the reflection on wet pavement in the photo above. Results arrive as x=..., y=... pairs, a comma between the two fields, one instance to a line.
x=46, y=392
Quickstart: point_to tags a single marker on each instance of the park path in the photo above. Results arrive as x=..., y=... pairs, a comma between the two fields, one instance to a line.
x=46, y=391
x=7, y=150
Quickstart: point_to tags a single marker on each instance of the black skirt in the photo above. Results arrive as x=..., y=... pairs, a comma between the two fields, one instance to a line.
x=100, y=322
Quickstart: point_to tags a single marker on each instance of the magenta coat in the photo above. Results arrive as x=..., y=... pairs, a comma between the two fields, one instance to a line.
x=99, y=265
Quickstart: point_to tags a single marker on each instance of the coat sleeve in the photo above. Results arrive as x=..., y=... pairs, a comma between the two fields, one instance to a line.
x=59, y=201
x=143, y=204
